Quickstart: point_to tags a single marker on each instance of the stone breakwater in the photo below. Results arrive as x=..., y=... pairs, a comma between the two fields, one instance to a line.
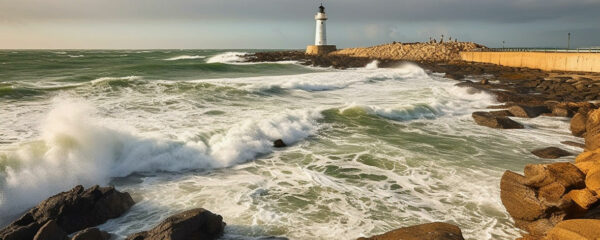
x=436, y=52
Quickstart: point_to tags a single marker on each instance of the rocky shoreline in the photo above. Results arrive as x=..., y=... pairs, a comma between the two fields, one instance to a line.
x=549, y=201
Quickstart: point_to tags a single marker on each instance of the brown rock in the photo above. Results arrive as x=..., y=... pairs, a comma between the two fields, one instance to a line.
x=592, y=126
x=91, y=234
x=578, y=123
x=562, y=112
x=519, y=200
x=192, y=224
x=576, y=229
x=573, y=144
x=583, y=198
x=567, y=174
x=592, y=182
x=50, y=231
x=552, y=193
x=528, y=111
x=489, y=120
x=551, y=153
x=74, y=210
x=502, y=113
x=430, y=231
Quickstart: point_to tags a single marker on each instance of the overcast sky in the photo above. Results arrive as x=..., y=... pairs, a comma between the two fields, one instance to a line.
x=290, y=24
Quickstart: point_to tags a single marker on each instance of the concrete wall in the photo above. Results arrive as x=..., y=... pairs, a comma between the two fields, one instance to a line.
x=320, y=50
x=548, y=61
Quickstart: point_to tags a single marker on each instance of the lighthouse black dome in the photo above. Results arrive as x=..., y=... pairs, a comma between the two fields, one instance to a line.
x=322, y=9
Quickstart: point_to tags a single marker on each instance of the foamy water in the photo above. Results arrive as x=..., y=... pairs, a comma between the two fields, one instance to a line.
x=370, y=149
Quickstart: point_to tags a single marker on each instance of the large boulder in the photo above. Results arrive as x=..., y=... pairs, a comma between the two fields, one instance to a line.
x=564, y=173
x=578, y=124
x=430, y=231
x=528, y=111
x=194, y=224
x=592, y=130
x=74, y=210
x=520, y=200
x=551, y=153
x=576, y=229
x=490, y=120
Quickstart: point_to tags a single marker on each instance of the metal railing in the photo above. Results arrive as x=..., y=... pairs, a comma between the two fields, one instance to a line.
x=577, y=50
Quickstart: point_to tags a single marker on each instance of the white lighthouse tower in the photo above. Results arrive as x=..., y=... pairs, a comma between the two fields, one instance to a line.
x=320, y=46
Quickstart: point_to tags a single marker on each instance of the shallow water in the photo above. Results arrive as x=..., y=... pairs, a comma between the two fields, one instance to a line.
x=370, y=150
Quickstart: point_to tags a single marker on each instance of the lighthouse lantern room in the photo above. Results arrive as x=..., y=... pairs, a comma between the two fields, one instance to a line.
x=320, y=46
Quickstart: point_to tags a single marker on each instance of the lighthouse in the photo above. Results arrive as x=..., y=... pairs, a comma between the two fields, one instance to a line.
x=320, y=46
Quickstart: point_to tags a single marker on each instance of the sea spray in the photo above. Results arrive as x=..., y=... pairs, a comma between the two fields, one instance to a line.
x=78, y=146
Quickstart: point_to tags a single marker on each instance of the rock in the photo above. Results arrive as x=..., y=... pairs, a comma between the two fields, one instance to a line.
x=573, y=144
x=520, y=200
x=502, y=113
x=74, y=210
x=576, y=229
x=91, y=234
x=562, y=112
x=578, y=123
x=430, y=231
x=592, y=182
x=192, y=224
x=551, y=153
x=454, y=75
x=567, y=174
x=484, y=81
x=583, y=198
x=592, y=128
x=51, y=231
x=552, y=193
x=489, y=120
x=528, y=111
x=279, y=143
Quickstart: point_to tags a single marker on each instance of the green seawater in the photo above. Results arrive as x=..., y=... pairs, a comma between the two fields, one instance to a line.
x=369, y=150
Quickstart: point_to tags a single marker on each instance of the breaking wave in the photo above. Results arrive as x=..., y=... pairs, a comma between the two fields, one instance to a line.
x=185, y=57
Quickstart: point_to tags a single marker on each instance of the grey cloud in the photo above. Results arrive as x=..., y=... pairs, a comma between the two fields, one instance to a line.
x=497, y=11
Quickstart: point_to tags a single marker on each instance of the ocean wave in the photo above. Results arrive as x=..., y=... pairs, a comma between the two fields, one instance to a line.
x=185, y=57
x=403, y=113
x=77, y=146
x=228, y=57
x=76, y=56
x=373, y=65
x=109, y=79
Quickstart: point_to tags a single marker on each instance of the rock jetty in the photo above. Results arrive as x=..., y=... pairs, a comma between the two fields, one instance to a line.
x=435, y=52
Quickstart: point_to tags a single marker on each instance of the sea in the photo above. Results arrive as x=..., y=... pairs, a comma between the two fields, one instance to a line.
x=369, y=149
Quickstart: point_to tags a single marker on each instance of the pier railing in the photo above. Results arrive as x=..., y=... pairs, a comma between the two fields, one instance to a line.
x=577, y=50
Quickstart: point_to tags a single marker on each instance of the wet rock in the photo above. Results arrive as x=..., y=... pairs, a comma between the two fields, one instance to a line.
x=279, y=143
x=502, y=113
x=91, y=234
x=430, y=231
x=578, y=124
x=74, y=210
x=576, y=229
x=528, y=111
x=192, y=224
x=551, y=153
x=567, y=174
x=484, y=81
x=454, y=75
x=592, y=130
x=490, y=120
x=520, y=200
x=573, y=144
x=50, y=231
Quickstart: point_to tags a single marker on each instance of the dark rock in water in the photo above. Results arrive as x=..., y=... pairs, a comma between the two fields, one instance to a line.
x=502, y=113
x=279, y=143
x=454, y=75
x=551, y=153
x=74, y=210
x=528, y=111
x=91, y=234
x=192, y=224
x=574, y=144
x=484, y=82
x=51, y=231
x=430, y=231
x=490, y=120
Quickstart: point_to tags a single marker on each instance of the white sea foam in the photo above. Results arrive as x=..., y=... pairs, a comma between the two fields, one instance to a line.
x=373, y=65
x=77, y=146
x=185, y=57
x=228, y=57
x=76, y=56
x=108, y=79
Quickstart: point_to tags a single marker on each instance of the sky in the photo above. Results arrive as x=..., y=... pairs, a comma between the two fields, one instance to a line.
x=289, y=24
